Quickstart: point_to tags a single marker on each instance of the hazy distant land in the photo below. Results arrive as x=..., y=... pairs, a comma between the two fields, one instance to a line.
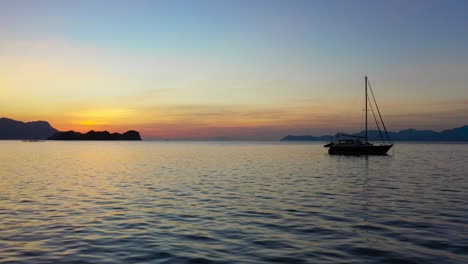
x=13, y=129
x=455, y=134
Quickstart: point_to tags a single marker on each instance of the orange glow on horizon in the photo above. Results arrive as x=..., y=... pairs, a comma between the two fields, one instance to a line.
x=93, y=123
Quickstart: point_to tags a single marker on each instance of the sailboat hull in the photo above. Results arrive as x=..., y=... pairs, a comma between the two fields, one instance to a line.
x=359, y=150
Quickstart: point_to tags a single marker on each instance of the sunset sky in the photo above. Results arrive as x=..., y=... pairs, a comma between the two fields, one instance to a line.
x=239, y=69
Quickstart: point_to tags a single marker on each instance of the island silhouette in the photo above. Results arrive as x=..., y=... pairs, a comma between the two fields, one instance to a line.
x=40, y=130
x=95, y=135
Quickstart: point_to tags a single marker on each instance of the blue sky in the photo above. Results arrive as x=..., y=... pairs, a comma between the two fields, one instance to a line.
x=424, y=27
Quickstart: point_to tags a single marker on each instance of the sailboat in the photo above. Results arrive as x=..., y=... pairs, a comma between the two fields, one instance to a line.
x=345, y=144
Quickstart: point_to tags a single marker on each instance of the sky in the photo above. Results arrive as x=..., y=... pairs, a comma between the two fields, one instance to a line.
x=248, y=70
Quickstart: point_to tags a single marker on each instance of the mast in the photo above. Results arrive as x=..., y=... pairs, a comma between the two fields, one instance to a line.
x=365, y=79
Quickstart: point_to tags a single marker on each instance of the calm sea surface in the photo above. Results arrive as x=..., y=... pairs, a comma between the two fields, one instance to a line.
x=207, y=202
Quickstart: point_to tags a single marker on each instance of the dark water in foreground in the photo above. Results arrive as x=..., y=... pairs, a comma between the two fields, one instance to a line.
x=140, y=202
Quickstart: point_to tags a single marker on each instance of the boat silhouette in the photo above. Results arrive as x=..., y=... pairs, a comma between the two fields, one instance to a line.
x=345, y=144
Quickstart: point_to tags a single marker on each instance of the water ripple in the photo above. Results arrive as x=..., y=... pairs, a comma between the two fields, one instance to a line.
x=162, y=202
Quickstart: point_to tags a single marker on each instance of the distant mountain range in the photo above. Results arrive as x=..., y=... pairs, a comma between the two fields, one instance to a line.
x=12, y=129
x=455, y=134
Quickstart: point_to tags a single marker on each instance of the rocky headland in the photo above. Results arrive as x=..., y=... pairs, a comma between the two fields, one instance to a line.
x=95, y=135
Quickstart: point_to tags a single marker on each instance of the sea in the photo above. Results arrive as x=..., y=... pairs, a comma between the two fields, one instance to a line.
x=231, y=202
